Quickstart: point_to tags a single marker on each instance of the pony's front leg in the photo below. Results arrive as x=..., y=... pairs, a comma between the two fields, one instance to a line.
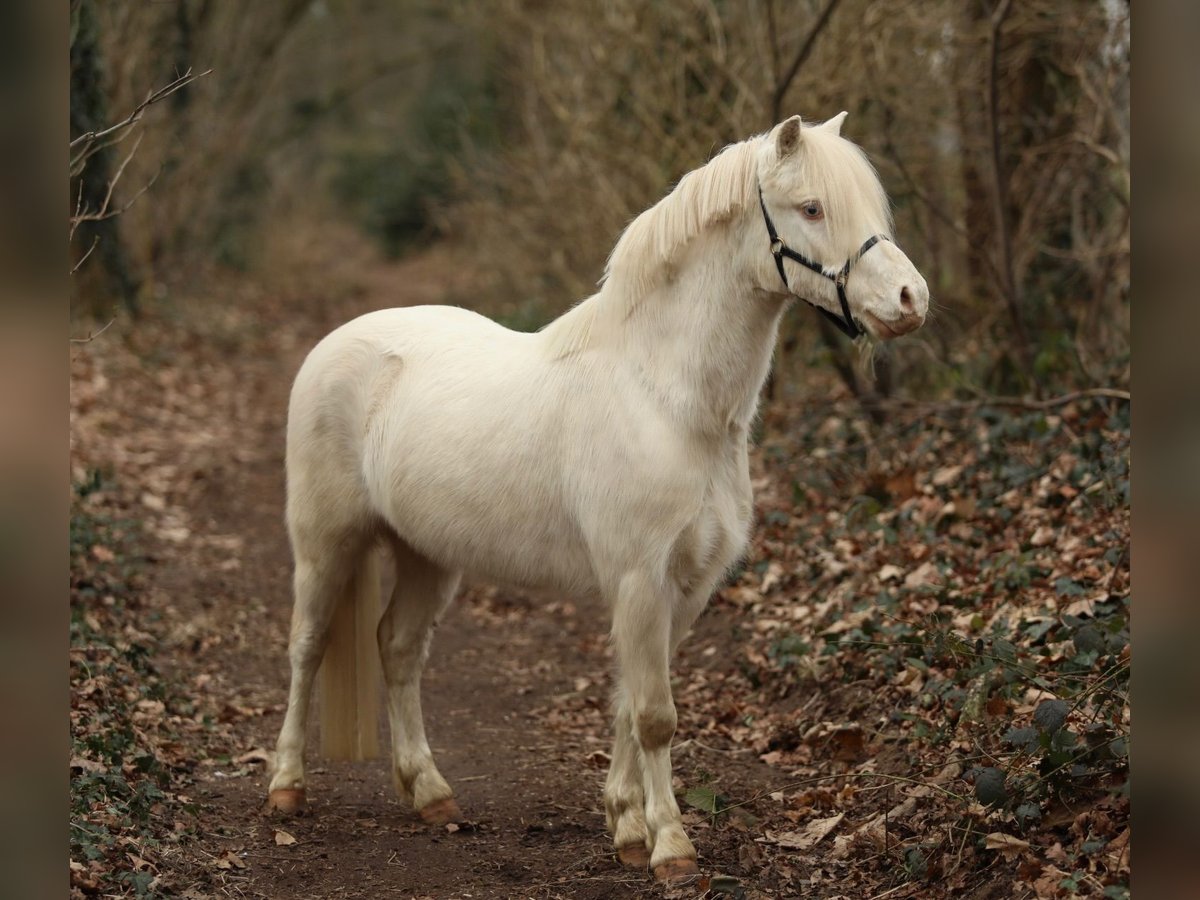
x=624, y=800
x=642, y=634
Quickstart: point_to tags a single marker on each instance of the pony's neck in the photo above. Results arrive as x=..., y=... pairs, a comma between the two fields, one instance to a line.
x=701, y=339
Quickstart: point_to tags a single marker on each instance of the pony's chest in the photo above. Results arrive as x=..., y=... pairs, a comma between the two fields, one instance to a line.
x=717, y=536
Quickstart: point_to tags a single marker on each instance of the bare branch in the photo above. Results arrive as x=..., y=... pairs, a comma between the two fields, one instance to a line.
x=91, y=337
x=105, y=211
x=112, y=184
x=82, y=259
x=90, y=137
x=1012, y=402
x=806, y=48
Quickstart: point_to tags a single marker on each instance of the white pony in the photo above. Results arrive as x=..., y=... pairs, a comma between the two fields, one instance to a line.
x=605, y=455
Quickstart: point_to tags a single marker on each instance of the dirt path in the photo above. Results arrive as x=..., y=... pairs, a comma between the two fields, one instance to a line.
x=515, y=693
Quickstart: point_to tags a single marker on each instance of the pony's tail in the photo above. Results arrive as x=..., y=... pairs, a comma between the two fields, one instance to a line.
x=350, y=671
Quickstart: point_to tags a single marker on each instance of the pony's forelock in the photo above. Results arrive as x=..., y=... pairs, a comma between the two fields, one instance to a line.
x=839, y=174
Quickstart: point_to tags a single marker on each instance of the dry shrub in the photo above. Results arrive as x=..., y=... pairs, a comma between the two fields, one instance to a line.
x=1022, y=228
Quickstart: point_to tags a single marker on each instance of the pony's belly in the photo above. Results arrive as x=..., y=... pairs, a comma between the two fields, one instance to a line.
x=486, y=520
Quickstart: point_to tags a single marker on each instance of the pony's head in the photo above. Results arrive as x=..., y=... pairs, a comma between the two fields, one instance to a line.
x=824, y=201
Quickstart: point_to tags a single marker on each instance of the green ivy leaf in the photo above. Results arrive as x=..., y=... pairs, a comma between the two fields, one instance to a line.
x=705, y=799
x=989, y=786
x=1027, y=813
x=914, y=863
x=1025, y=738
x=1065, y=587
x=1050, y=715
x=1088, y=639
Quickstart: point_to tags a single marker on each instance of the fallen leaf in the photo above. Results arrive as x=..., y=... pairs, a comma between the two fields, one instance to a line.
x=890, y=573
x=1085, y=606
x=849, y=744
x=229, y=860
x=771, y=577
x=258, y=754
x=599, y=759
x=87, y=765
x=140, y=862
x=1049, y=885
x=1005, y=843
x=1042, y=537
x=153, y=501
x=283, y=839
x=811, y=835
x=947, y=475
x=924, y=574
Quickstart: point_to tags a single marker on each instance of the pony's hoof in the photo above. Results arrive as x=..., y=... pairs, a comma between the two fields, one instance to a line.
x=635, y=856
x=676, y=870
x=289, y=801
x=441, y=812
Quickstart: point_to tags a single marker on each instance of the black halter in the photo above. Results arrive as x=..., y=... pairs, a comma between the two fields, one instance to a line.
x=845, y=322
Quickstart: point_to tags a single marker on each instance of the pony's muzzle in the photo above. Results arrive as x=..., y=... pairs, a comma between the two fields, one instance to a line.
x=912, y=305
x=910, y=320
x=908, y=314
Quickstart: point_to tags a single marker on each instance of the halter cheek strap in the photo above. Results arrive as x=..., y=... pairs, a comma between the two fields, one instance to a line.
x=845, y=323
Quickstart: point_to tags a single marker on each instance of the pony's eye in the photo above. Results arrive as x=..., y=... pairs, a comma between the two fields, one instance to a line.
x=811, y=210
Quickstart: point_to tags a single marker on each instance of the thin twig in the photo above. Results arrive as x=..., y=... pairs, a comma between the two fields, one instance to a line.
x=891, y=891
x=91, y=337
x=1122, y=562
x=1018, y=402
x=102, y=212
x=82, y=259
x=153, y=97
x=817, y=779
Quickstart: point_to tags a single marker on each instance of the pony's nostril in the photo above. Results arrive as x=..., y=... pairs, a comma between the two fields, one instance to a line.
x=906, y=300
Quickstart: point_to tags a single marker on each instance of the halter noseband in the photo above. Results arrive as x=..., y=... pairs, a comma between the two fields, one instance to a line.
x=845, y=322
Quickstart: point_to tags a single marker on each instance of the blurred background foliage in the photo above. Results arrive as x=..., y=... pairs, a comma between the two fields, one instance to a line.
x=524, y=135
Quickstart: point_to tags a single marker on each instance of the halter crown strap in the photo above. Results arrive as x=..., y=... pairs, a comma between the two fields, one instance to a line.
x=845, y=322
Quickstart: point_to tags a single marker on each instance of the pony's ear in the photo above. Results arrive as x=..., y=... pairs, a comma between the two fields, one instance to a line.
x=834, y=125
x=787, y=137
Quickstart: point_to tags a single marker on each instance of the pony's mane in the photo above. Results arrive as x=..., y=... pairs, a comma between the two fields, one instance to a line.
x=707, y=195
x=834, y=169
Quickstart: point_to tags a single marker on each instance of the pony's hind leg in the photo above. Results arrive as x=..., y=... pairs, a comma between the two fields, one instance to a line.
x=321, y=576
x=423, y=591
